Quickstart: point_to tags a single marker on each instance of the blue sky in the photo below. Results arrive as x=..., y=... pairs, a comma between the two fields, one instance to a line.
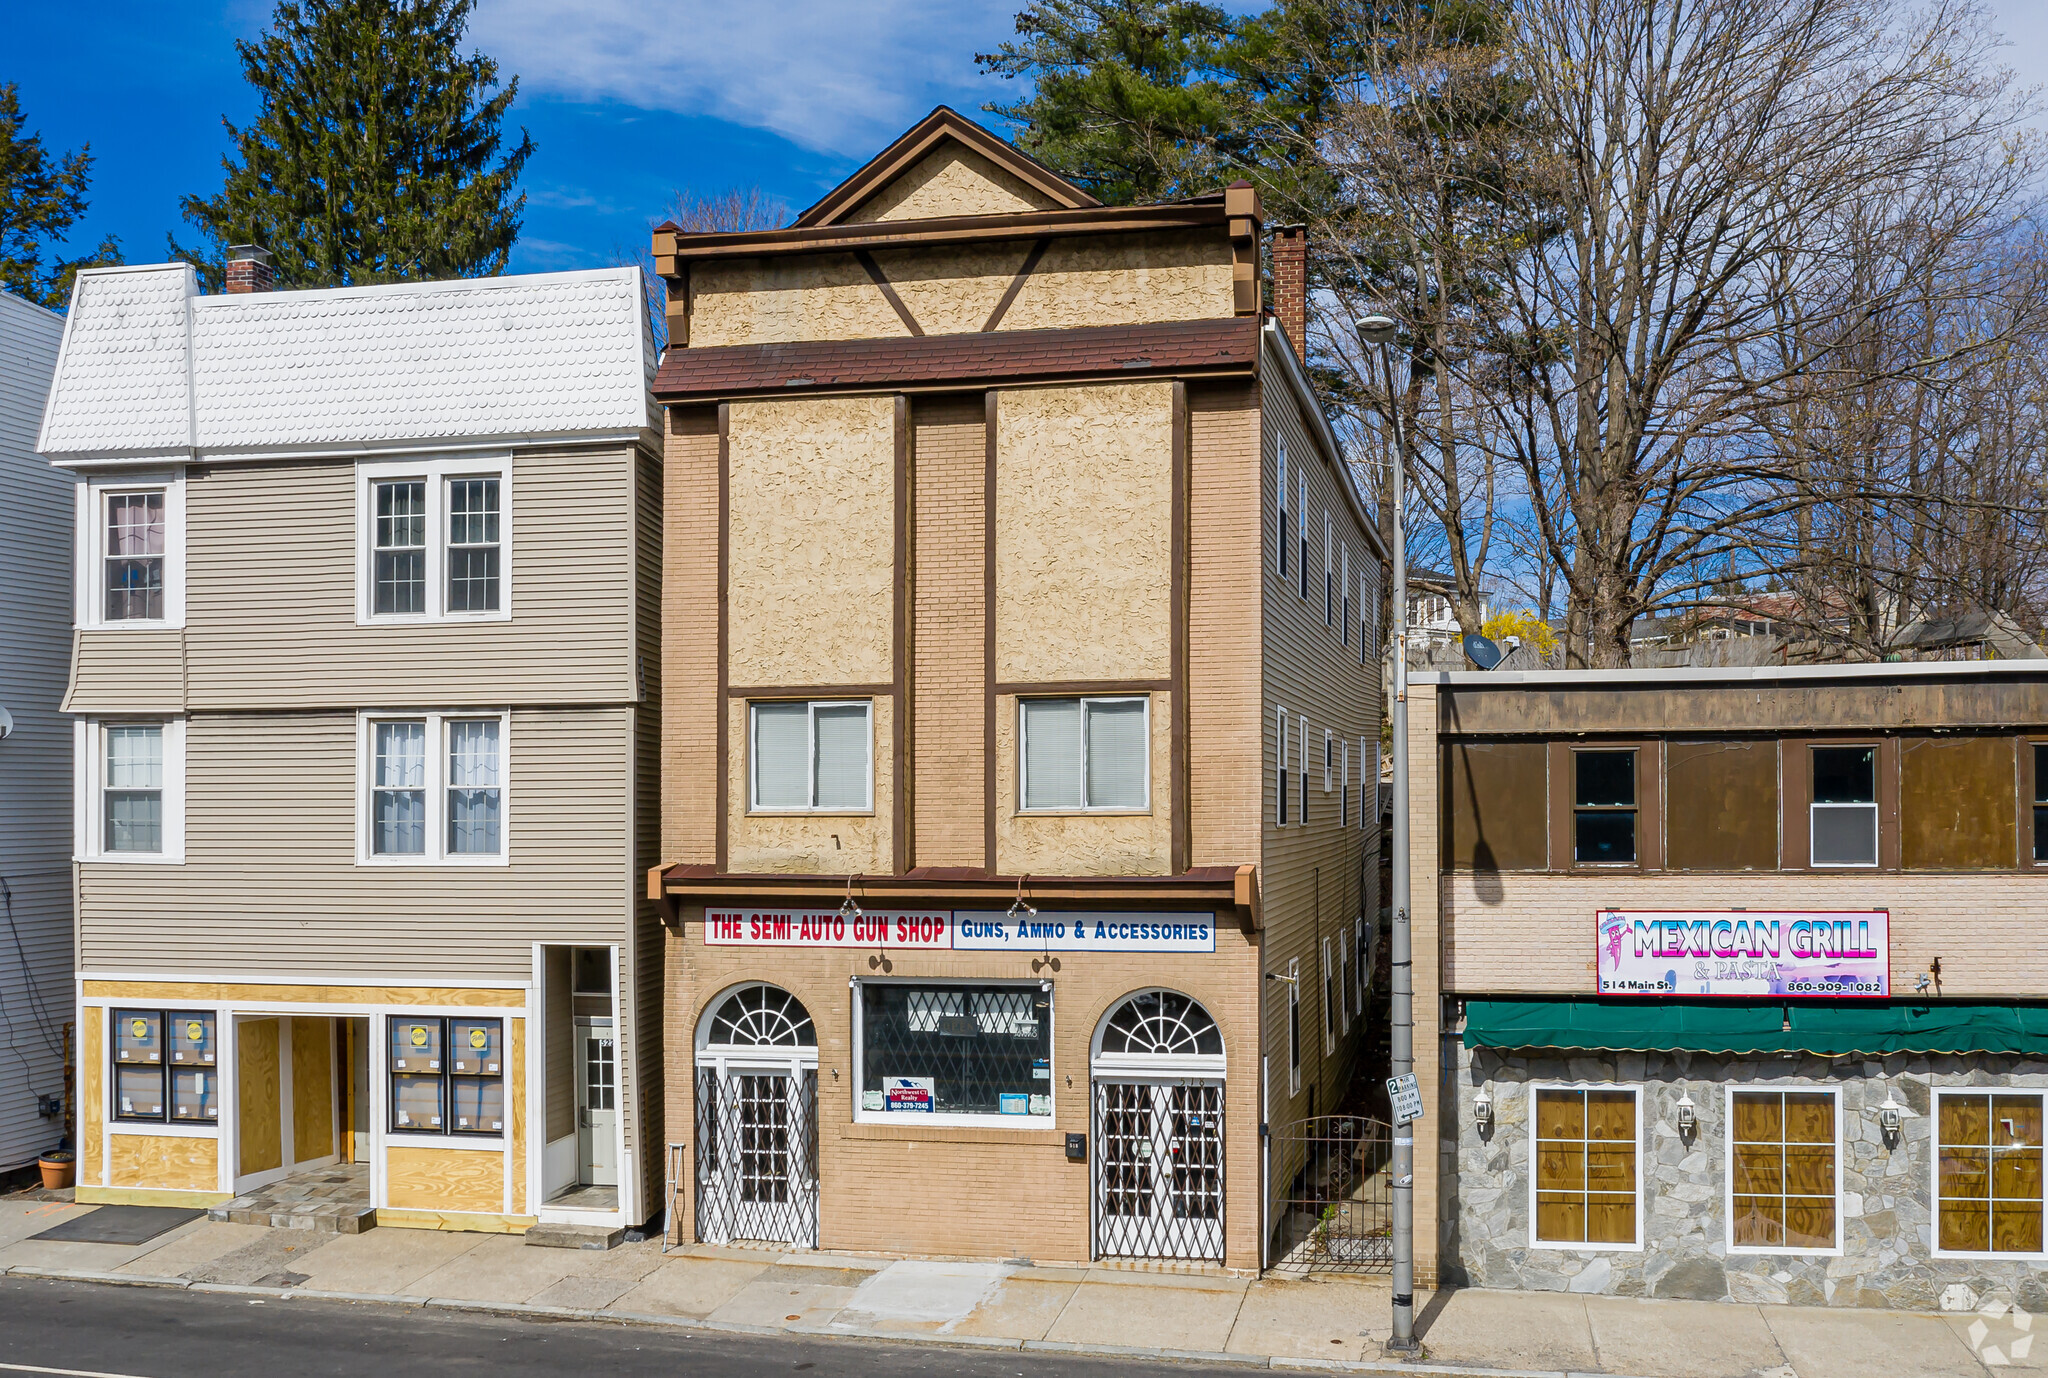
x=628, y=100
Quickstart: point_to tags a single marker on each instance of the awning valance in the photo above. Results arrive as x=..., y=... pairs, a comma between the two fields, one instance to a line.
x=1747, y=1027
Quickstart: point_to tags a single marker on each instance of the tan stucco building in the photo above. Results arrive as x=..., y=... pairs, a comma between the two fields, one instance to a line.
x=365, y=678
x=1022, y=721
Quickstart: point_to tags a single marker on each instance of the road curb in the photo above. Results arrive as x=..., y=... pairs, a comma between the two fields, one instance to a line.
x=1197, y=1356
x=30, y=1270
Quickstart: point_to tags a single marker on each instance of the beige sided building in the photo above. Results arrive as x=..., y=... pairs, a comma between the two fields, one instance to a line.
x=365, y=680
x=1022, y=650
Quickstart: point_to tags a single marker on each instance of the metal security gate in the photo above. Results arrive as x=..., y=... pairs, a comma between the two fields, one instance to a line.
x=757, y=1155
x=1159, y=1169
x=1334, y=1206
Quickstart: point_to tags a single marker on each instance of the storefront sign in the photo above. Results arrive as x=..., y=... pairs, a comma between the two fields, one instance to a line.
x=826, y=928
x=996, y=931
x=907, y=1093
x=1745, y=953
x=965, y=931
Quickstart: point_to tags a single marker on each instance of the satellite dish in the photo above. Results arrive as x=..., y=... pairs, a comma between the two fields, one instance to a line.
x=1481, y=652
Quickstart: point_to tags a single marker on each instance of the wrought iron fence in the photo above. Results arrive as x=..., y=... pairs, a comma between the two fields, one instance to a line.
x=757, y=1157
x=1159, y=1169
x=1333, y=1210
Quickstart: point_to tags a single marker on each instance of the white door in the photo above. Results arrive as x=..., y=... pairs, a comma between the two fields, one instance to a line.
x=597, y=1101
x=756, y=1165
x=1159, y=1168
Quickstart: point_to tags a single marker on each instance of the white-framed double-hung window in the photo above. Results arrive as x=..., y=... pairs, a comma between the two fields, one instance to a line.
x=434, y=540
x=1784, y=1170
x=131, y=551
x=434, y=789
x=810, y=756
x=130, y=806
x=1086, y=754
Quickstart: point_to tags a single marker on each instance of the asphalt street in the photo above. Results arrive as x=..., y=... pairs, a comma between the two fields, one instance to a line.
x=92, y=1330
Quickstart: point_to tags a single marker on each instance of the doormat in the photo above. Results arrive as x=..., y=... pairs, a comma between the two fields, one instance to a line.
x=119, y=1224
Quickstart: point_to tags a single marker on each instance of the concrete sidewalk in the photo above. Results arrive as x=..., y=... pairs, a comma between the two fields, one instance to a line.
x=1316, y=1323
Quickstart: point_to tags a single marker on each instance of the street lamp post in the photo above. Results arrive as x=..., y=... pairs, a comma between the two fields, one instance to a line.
x=1377, y=332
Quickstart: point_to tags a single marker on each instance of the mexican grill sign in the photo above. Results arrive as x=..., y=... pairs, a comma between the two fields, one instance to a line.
x=1745, y=952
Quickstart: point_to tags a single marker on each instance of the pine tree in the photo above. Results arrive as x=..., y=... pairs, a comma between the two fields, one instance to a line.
x=375, y=156
x=41, y=198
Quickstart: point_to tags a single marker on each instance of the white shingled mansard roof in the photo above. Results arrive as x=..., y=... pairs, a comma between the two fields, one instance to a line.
x=151, y=369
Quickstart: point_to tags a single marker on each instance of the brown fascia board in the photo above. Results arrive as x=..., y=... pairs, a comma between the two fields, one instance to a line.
x=1202, y=348
x=672, y=249
x=944, y=122
x=1213, y=887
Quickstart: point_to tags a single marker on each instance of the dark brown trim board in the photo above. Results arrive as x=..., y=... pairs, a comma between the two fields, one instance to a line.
x=1060, y=687
x=942, y=125
x=1181, y=846
x=995, y=317
x=720, y=824
x=900, y=724
x=988, y=636
x=809, y=691
x=888, y=288
x=673, y=249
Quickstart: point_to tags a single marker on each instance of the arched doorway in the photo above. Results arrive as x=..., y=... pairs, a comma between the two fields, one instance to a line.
x=757, y=1119
x=1157, y=1074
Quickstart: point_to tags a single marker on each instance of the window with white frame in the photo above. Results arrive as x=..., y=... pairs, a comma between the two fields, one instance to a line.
x=433, y=788
x=1329, y=760
x=163, y=1066
x=1329, y=1002
x=1366, y=608
x=1084, y=754
x=131, y=544
x=1301, y=521
x=810, y=756
x=1587, y=1179
x=1294, y=1026
x=1344, y=985
x=1844, y=806
x=132, y=804
x=938, y=1053
x=1303, y=774
x=1361, y=968
x=1783, y=1170
x=1329, y=573
x=1987, y=1172
x=446, y=1075
x=435, y=540
x=1280, y=795
x=1344, y=582
x=1281, y=533
x=1344, y=782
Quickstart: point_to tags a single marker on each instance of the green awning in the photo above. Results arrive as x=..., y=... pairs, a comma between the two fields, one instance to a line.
x=1745, y=1026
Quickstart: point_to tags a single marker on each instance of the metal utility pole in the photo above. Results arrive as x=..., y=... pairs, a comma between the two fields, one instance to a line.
x=1378, y=331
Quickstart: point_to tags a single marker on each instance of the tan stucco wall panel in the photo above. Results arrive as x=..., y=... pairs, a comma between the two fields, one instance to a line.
x=1084, y=532
x=1084, y=844
x=811, y=539
x=954, y=289
x=1134, y=279
x=831, y=844
x=777, y=300
x=951, y=180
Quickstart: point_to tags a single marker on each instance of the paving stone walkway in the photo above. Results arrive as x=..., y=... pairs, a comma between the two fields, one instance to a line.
x=335, y=1199
x=1319, y=1323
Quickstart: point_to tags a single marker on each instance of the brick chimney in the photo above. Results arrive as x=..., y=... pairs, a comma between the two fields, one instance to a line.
x=1290, y=284
x=248, y=268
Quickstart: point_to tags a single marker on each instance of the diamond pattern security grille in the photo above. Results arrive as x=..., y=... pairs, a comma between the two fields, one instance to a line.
x=763, y=1017
x=1161, y=1022
x=757, y=1157
x=1159, y=1169
x=986, y=1049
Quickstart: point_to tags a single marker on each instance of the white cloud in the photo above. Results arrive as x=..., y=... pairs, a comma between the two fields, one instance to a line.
x=836, y=76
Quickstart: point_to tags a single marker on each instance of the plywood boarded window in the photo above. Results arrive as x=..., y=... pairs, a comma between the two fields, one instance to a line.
x=1494, y=806
x=1585, y=1175
x=1988, y=1177
x=1781, y=1180
x=1957, y=803
x=1721, y=801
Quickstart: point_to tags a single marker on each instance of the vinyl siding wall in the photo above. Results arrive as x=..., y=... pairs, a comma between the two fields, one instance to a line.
x=35, y=760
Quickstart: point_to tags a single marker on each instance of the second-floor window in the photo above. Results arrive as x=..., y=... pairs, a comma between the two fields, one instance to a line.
x=2041, y=801
x=133, y=566
x=1085, y=753
x=1844, y=806
x=1280, y=511
x=131, y=797
x=1344, y=582
x=131, y=547
x=811, y=756
x=1301, y=519
x=435, y=788
x=1604, y=808
x=435, y=541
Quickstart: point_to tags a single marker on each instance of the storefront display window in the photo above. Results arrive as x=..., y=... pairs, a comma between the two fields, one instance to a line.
x=1781, y=1172
x=447, y=1075
x=1586, y=1181
x=1988, y=1173
x=163, y=1064
x=981, y=1052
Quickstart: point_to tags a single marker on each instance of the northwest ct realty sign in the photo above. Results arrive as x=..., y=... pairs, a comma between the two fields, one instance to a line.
x=1745, y=952
x=961, y=930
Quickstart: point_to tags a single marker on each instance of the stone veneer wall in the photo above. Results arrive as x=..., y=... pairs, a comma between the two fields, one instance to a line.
x=1885, y=1207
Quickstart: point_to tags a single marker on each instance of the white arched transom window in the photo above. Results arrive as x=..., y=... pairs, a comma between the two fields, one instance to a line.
x=1159, y=1031
x=758, y=1016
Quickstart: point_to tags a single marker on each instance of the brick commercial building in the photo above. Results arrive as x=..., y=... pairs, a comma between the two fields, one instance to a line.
x=1020, y=635
x=1740, y=979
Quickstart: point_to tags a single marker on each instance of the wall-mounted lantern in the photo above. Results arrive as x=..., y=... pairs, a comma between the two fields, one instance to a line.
x=1482, y=1108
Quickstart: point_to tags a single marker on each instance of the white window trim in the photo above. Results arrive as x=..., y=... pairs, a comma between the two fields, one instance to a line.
x=811, y=768
x=1642, y=1207
x=1344, y=595
x=1301, y=794
x=1329, y=757
x=1330, y=979
x=89, y=607
x=1290, y=1033
x=1301, y=525
x=437, y=853
x=1085, y=806
x=1280, y=519
x=1359, y=975
x=1934, y=1170
x=436, y=471
x=89, y=761
x=1280, y=770
x=1876, y=839
x=1345, y=963
x=1728, y=1169
x=1329, y=593
x=937, y=1120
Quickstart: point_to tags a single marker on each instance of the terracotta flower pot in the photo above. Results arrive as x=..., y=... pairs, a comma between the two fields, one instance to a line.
x=57, y=1169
